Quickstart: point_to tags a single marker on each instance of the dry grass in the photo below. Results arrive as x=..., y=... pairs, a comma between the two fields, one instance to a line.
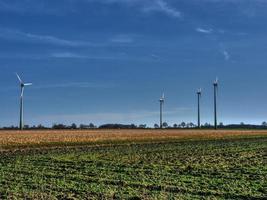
x=70, y=137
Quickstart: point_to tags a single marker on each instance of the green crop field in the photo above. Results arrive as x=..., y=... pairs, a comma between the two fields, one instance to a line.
x=227, y=168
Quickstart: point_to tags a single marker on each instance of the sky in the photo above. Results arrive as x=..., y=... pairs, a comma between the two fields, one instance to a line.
x=109, y=61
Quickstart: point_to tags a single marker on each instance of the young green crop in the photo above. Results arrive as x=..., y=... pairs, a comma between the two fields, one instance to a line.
x=215, y=169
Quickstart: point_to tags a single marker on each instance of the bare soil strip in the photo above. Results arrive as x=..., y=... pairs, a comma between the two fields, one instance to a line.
x=55, y=138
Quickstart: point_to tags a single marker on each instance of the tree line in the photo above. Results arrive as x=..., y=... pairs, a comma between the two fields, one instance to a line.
x=182, y=125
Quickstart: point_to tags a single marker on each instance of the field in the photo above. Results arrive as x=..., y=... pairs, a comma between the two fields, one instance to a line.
x=133, y=164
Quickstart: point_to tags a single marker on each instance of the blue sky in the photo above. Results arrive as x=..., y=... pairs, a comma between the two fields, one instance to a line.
x=108, y=61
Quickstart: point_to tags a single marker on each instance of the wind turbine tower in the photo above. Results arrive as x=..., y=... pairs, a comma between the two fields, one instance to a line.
x=199, y=93
x=215, y=85
x=161, y=101
x=22, y=87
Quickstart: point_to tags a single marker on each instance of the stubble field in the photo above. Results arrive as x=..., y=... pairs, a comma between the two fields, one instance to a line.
x=133, y=164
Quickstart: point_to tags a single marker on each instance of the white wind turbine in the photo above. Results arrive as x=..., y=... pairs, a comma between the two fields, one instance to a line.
x=22, y=86
x=215, y=85
x=199, y=94
x=161, y=100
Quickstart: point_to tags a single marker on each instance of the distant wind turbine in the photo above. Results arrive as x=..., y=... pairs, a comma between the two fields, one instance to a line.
x=199, y=93
x=161, y=101
x=215, y=85
x=22, y=86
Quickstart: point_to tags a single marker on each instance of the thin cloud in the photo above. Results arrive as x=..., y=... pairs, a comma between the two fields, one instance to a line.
x=226, y=55
x=164, y=7
x=117, y=56
x=109, y=117
x=205, y=31
x=46, y=7
x=18, y=35
x=224, y=52
x=69, y=55
x=122, y=39
x=147, y=6
x=11, y=34
x=74, y=85
x=154, y=56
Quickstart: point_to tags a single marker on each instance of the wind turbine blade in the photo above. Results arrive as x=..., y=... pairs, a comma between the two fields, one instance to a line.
x=22, y=92
x=19, y=78
x=27, y=84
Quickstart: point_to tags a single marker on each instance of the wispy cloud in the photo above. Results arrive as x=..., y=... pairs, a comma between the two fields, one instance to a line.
x=203, y=30
x=57, y=8
x=74, y=85
x=224, y=51
x=122, y=38
x=70, y=85
x=148, y=6
x=110, y=117
x=11, y=34
x=80, y=56
x=103, y=117
x=109, y=56
x=69, y=55
x=215, y=34
x=155, y=56
x=164, y=7
x=18, y=35
x=226, y=55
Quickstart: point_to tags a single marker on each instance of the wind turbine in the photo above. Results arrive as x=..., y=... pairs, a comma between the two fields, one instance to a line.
x=199, y=93
x=215, y=85
x=22, y=86
x=161, y=101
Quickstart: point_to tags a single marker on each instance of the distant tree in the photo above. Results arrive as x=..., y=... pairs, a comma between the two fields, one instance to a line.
x=221, y=124
x=156, y=126
x=11, y=127
x=207, y=125
x=133, y=126
x=26, y=126
x=165, y=125
x=117, y=126
x=142, y=126
x=83, y=126
x=183, y=124
x=91, y=125
x=59, y=126
x=40, y=126
x=264, y=124
x=175, y=126
x=191, y=125
x=73, y=126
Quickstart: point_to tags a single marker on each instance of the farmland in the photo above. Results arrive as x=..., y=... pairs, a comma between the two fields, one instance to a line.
x=133, y=164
